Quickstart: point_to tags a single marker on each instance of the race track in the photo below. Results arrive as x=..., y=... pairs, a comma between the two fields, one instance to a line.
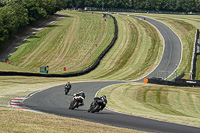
x=53, y=100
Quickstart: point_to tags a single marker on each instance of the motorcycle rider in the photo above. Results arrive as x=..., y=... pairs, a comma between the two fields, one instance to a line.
x=103, y=98
x=81, y=94
x=101, y=104
x=67, y=87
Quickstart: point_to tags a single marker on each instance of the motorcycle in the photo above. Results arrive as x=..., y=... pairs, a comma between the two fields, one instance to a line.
x=66, y=91
x=67, y=88
x=97, y=104
x=76, y=102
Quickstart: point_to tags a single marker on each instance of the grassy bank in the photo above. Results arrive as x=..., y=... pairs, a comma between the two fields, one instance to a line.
x=69, y=42
x=197, y=68
x=167, y=103
x=127, y=60
x=23, y=121
x=137, y=51
x=131, y=37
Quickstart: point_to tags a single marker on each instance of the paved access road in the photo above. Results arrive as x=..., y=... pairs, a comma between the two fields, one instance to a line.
x=54, y=101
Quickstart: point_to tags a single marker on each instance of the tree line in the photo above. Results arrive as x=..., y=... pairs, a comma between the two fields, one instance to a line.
x=157, y=5
x=16, y=14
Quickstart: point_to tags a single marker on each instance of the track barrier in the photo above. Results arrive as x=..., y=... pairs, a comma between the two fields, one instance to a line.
x=177, y=82
x=194, y=57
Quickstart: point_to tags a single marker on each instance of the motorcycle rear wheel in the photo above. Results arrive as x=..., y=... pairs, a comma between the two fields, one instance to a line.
x=73, y=105
x=95, y=109
x=66, y=92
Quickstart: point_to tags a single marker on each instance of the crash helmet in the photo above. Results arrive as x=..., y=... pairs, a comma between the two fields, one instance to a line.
x=104, y=96
x=81, y=91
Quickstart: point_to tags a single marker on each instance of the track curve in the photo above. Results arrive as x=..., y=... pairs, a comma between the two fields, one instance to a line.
x=172, y=53
x=53, y=100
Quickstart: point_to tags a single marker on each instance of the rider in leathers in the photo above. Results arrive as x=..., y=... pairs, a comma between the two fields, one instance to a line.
x=104, y=101
x=82, y=94
x=67, y=87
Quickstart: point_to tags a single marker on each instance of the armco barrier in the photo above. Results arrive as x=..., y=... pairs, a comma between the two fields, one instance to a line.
x=177, y=82
x=179, y=76
x=194, y=57
x=85, y=71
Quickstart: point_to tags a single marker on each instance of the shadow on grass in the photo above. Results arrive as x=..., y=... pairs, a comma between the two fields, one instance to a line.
x=62, y=15
x=52, y=26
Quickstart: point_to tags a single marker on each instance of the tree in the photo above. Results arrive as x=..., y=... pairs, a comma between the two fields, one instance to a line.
x=158, y=5
x=137, y=5
x=3, y=31
x=80, y=3
x=165, y=5
x=147, y=4
x=14, y=16
x=198, y=5
x=188, y=5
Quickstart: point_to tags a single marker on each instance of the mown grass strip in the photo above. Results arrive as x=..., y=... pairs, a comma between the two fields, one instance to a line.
x=13, y=120
x=174, y=104
x=135, y=53
x=65, y=43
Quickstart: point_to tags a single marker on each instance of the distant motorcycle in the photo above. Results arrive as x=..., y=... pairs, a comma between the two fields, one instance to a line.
x=67, y=88
x=66, y=91
x=97, y=105
x=76, y=102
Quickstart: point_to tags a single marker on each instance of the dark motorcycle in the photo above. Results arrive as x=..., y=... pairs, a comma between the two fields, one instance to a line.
x=67, y=88
x=97, y=104
x=66, y=91
x=76, y=102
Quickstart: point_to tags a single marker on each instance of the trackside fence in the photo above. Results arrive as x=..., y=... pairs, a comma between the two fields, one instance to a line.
x=82, y=72
x=194, y=57
x=139, y=11
x=177, y=82
x=184, y=82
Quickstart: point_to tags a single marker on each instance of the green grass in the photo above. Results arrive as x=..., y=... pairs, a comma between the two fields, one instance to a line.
x=126, y=61
x=167, y=103
x=197, y=68
x=13, y=120
x=66, y=43
x=24, y=121
x=11, y=87
x=136, y=52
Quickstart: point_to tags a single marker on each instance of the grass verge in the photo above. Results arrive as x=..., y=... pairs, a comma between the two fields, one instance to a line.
x=167, y=103
x=23, y=121
x=13, y=120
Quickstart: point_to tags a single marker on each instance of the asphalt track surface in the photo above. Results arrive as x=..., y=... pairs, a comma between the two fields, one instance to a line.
x=53, y=100
x=172, y=52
